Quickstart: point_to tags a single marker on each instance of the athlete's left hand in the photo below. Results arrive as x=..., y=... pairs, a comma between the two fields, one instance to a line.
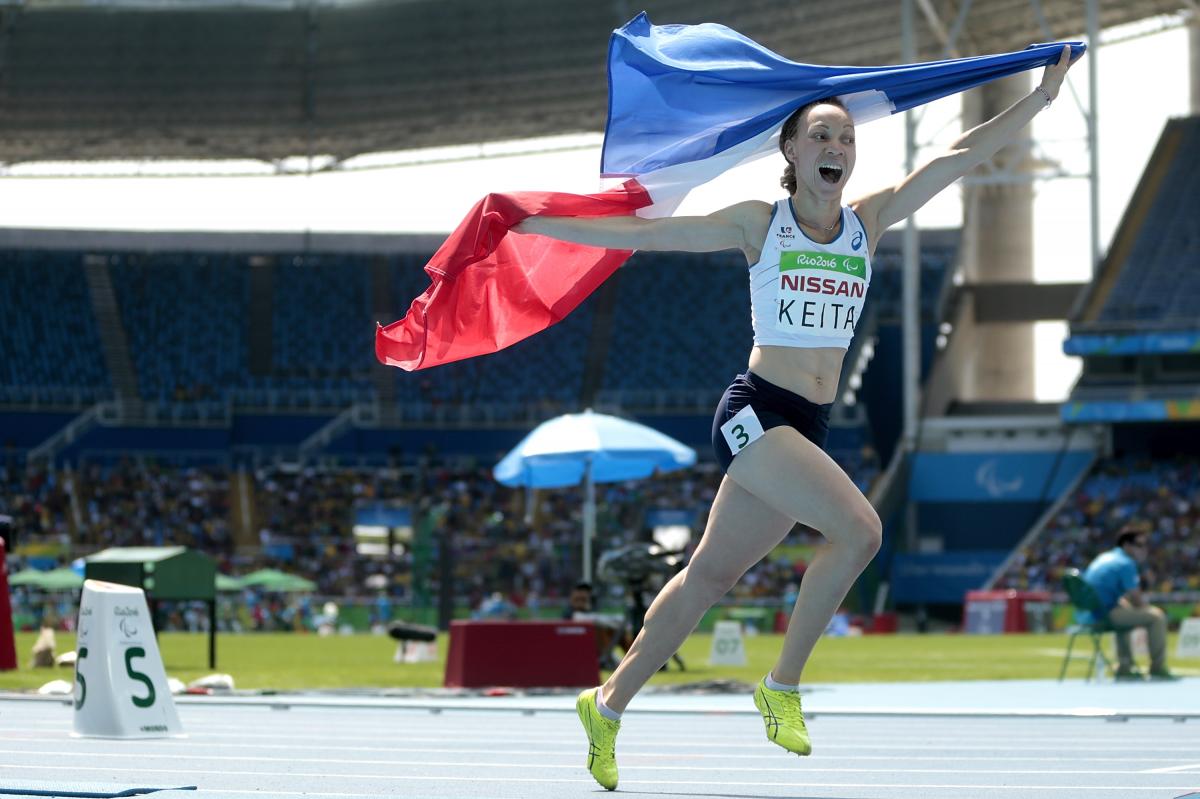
x=1053, y=77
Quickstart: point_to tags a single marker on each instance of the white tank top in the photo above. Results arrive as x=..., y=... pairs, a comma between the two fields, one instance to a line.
x=804, y=293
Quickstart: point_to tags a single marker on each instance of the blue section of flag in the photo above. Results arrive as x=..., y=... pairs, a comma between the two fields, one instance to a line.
x=683, y=93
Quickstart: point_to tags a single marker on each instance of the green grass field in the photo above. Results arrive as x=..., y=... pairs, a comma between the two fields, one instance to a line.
x=287, y=661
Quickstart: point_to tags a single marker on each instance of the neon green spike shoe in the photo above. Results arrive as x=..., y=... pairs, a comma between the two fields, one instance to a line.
x=783, y=718
x=602, y=739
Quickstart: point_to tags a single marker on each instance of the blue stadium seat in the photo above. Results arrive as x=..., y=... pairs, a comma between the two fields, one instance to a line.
x=50, y=351
x=185, y=320
x=322, y=320
x=1159, y=285
x=681, y=323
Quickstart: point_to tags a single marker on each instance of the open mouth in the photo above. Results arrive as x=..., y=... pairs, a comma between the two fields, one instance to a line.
x=830, y=173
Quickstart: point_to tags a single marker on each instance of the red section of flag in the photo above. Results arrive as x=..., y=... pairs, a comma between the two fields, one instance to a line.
x=490, y=290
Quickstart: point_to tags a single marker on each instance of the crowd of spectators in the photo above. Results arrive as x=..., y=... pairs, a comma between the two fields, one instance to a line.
x=1161, y=496
x=148, y=504
x=525, y=545
x=305, y=518
x=490, y=540
x=37, y=500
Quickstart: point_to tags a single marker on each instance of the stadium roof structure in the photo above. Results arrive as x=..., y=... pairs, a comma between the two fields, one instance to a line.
x=275, y=79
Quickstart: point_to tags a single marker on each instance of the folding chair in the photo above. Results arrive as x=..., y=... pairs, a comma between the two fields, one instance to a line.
x=1084, y=597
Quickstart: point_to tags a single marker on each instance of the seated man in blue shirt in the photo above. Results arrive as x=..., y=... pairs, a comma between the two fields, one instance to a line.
x=1114, y=576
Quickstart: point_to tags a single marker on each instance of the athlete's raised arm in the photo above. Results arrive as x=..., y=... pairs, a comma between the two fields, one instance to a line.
x=885, y=208
x=739, y=226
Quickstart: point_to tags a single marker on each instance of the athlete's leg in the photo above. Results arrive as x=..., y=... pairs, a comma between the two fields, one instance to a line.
x=796, y=478
x=741, y=529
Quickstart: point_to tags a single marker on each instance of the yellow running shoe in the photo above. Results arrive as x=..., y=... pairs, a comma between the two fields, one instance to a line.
x=602, y=739
x=785, y=722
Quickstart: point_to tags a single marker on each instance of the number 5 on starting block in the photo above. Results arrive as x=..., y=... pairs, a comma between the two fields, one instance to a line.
x=120, y=685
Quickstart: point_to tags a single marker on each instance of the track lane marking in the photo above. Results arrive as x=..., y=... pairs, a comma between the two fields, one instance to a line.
x=555, y=766
x=588, y=781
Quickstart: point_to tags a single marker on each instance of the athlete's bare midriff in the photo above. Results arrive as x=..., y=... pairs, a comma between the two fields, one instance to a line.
x=810, y=372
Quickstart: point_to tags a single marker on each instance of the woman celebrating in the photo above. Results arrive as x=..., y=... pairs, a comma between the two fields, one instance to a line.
x=810, y=267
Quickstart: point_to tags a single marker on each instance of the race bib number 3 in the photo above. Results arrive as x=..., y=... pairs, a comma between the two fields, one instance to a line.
x=741, y=429
x=821, y=293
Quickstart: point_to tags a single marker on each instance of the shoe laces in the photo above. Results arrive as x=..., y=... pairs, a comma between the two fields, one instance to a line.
x=603, y=731
x=790, y=710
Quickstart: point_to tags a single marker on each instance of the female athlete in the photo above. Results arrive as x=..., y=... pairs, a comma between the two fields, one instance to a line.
x=810, y=267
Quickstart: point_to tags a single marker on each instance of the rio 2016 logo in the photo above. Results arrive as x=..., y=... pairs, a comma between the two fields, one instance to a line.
x=128, y=628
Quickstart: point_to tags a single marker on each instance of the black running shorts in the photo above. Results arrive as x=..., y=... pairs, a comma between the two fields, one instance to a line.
x=751, y=406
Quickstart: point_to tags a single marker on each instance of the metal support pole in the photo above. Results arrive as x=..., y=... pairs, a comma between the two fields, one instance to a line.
x=212, y=633
x=1194, y=62
x=589, y=521
x=910, y=292
x=1093, y=34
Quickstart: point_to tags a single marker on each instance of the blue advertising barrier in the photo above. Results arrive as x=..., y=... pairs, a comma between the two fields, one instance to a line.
x=1133, y=343
x=1131, y=410
x=382, y=516
x=942, y=577
x=994, y=476
x=663, y=517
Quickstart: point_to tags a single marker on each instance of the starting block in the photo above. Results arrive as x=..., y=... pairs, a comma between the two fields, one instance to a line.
x=120, y=687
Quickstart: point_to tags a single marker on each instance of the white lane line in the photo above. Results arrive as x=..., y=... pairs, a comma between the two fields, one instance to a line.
x=719, y=743
x=107, y=748
x=588, y=781
x=941, y=733
x=1171, y=769
x=299, y=719
x=458, y=764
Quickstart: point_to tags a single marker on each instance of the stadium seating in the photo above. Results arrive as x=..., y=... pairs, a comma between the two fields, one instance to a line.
x=50, y=353
x=1159, y=285
x=185, y=320
x=187, y=315
x=682, y=321
x=939, y=249
x=322, y=319
x=1158, y=494
x=681, y=324
x=680, y=330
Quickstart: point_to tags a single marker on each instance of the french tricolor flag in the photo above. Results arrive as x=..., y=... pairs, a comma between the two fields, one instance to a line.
x=686, y=104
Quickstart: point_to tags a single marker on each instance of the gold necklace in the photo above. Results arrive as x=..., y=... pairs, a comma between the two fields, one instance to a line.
x=810, y=224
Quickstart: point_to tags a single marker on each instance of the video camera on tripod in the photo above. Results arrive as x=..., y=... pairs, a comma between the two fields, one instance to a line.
x=633, y=565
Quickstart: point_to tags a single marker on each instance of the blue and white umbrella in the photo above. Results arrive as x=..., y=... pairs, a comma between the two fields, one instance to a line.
x=590, y=448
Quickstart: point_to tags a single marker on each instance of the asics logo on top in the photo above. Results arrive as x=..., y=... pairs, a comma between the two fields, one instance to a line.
x=856, y=241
